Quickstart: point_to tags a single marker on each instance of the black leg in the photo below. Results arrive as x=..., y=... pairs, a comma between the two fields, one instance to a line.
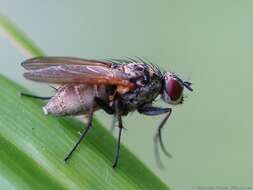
x=159, y=134
x=120, y=125
x=33, y=96
x=89, y=125
x=55, y=89
x=152, y=111
x=157, y=154
x=149, y=110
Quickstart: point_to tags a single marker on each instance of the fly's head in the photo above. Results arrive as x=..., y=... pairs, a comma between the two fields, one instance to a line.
x=173, y=86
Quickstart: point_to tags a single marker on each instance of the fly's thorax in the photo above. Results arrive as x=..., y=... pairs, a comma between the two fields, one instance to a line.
x=146, y=92
x=147, y=80
x=74, y=99
x=137, y=70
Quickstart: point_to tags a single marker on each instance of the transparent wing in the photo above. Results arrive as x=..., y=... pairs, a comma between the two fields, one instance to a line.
x=89, y=74
x=44, y=62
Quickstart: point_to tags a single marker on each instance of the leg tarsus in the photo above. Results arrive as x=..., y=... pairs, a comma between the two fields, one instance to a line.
x=120, y=126
x=89, y=126
x=33, y=96
x=159, y=137
x=159, y=134
x=117, y=153
x=157, y=154
x=152, y=111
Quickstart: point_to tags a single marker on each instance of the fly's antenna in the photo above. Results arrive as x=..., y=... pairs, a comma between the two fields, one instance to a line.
x=186, y=84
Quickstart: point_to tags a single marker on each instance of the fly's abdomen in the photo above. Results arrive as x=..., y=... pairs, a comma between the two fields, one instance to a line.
x=73, y=99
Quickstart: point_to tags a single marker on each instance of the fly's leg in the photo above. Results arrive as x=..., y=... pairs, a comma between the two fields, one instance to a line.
x=159, y=134
x=55, y=89
x=116, y=157
x=33, y=96
x=38, y=97
x=153, y=111
x=89, y=125
x=120, y=126
x=113, y=110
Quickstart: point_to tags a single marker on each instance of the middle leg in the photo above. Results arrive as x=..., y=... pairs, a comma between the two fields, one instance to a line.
x=120, y=126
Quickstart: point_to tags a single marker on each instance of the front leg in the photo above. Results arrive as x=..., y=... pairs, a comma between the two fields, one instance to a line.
x=153, y=111
x=120, y=126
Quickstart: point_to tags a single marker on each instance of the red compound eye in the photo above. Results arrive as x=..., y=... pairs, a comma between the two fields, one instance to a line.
x=174, y=89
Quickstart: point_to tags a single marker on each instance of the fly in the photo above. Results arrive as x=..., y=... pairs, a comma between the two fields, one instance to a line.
x=117, y=86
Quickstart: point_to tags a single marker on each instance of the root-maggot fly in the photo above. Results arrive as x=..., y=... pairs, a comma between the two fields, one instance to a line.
x=118, y=86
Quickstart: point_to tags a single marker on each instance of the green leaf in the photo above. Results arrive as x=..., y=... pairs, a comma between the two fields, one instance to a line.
x=33, y=145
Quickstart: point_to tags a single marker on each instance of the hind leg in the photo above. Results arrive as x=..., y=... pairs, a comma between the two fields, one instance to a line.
x=36, y=97
x=85, y=131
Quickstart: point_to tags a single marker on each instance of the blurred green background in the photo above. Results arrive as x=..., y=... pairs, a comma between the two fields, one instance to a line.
x=209, y=42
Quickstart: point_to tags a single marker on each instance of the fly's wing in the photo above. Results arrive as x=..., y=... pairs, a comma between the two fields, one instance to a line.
x=90, y=74
x=44, y=62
